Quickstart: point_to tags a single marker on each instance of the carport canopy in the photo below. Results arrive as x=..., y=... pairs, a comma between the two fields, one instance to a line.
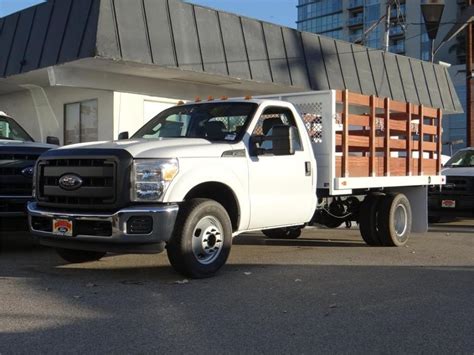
x=158, y=47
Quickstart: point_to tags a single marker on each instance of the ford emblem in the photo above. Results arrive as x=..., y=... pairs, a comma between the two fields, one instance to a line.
x=28, y=171
x=70, y=182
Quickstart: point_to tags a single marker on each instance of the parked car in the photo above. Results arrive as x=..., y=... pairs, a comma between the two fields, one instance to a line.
x=456, y=197
x=18, y=154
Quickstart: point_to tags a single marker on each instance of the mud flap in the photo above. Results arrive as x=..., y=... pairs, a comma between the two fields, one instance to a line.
x=418, y=197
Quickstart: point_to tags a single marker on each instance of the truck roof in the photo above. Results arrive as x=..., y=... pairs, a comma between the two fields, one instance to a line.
x=237, y=100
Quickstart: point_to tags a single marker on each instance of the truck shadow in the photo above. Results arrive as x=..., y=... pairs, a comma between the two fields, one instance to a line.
x=260, y=239
x=17, y=242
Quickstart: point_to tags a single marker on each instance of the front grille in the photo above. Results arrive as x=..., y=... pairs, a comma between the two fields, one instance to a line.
x=12, y=180
x=458, y=185
x=98, y=182
x=20, y=156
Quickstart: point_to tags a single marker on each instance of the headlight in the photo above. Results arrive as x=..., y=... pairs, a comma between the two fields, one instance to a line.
x=151, y=177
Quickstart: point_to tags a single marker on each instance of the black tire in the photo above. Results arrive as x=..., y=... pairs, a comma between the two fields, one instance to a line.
x=283, y=233
x=183, y=249
x=368, y=219
x=74, y=256
x=394, y=220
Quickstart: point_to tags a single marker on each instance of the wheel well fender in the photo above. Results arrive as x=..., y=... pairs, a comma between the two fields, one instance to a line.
x=221, y=193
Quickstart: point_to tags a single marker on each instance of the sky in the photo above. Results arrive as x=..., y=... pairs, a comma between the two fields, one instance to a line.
x=282, y=12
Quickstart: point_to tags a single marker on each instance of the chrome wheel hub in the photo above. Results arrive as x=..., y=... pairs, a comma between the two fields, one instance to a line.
x=207, y=240
x=401, y=222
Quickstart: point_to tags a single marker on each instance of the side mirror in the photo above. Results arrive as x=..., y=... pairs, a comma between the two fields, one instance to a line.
x=123, y=135
x=282, y=140
x=255, y=143
x=52, y=140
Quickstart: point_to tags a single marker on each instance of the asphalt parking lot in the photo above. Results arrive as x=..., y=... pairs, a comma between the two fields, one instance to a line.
x=326, y=291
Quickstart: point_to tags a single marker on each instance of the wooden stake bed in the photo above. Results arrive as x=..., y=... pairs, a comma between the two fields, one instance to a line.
x=389, y=139
x=365, y=142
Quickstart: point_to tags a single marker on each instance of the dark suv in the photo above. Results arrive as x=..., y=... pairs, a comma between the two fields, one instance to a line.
x=456, y=198
x=18, y=154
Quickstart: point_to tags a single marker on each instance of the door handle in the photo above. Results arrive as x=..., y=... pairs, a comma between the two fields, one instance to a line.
x=307, y=168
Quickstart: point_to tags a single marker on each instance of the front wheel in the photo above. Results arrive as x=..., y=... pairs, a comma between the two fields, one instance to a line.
x=202, y=239
x=74, y=256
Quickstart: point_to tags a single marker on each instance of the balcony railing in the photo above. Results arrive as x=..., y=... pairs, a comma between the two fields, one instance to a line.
x=394, y=12
x=397, y=48
x=357, y=20
x=355, y=4
x=396, y=31
x=355, y=38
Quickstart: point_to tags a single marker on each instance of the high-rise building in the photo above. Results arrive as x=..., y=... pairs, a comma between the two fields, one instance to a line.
x=364, y=22
x=360, y=21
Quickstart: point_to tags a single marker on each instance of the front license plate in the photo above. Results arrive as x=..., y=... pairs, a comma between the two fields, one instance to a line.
x=448, y=203
x=62, y=227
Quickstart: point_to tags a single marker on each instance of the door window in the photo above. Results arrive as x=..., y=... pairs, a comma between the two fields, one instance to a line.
x=275, y=116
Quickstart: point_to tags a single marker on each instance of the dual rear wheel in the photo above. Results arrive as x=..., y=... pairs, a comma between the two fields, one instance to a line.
x=385, y=219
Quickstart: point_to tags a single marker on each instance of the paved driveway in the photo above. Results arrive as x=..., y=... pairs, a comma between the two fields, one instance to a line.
x=326, y=291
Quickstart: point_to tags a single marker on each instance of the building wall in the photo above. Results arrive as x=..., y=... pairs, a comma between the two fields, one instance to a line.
x=19, y=105
x=131, y=111
x=41, y=110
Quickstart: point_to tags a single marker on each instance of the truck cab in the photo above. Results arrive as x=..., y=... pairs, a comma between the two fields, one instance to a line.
x=219, y=168
x=456, y=197
x=18, y=154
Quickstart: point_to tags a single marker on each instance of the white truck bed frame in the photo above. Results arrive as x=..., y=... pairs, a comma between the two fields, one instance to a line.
x=321, y=106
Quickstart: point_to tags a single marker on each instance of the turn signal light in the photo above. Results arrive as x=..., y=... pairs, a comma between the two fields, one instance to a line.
x=197, y=99
x=248, y=97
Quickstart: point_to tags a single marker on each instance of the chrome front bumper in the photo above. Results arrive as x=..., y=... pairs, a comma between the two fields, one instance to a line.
x=163, y=217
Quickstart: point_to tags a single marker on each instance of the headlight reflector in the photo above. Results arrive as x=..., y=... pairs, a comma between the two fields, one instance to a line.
x=151, y=177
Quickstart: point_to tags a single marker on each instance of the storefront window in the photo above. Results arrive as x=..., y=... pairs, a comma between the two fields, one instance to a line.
x=81, y=122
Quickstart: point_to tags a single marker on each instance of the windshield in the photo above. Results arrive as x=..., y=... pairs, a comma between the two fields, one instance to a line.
x=463, y=158
x=11, y=130
x=221, y=121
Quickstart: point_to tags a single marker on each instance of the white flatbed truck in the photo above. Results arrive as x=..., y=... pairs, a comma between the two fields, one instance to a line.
x=201, y=173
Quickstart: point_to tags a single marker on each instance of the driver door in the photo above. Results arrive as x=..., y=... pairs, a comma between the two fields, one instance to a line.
x=280, y=186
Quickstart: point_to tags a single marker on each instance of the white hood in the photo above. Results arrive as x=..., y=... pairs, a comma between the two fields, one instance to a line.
x=161, y=147
x=469, y=171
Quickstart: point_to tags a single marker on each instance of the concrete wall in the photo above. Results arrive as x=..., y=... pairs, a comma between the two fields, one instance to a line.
x=41, y=110
x=131, y=111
